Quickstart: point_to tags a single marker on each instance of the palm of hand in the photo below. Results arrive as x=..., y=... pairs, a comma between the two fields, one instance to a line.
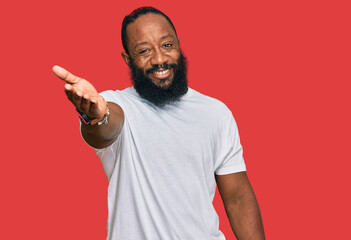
x=82, y=94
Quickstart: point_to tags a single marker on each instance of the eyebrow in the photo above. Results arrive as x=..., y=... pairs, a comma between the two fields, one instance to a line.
x=167, y=36
x=162, y=38
x=139, y=44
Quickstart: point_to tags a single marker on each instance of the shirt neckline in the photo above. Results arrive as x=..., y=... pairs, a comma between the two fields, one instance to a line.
x=132, y=91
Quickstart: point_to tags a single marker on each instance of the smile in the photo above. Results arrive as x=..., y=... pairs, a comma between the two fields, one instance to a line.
x=161, y=74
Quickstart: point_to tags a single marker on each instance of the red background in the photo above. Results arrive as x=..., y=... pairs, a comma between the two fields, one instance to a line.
x=282, y=67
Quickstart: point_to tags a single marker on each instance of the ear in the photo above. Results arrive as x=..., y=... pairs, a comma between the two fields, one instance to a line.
x=126, y=58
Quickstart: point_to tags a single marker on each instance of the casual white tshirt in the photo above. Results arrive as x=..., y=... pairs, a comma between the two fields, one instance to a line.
x=162, y=167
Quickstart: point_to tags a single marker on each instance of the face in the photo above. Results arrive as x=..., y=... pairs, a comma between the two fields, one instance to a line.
x=153, y=48
x=161, y=96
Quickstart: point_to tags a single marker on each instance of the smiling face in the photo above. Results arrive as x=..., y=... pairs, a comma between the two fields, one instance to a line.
x=153, y=47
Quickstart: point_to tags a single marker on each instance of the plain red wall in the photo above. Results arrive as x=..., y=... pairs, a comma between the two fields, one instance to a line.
x=282, y=67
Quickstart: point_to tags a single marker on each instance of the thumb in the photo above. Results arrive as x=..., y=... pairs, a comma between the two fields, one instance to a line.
x=64, y=74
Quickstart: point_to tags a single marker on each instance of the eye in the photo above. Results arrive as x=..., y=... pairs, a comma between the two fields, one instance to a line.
x=144, y=51
x=167, y=45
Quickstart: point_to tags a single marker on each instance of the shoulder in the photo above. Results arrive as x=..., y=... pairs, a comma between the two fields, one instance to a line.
x=118, y=96
x=212, y=104
x=116, y=93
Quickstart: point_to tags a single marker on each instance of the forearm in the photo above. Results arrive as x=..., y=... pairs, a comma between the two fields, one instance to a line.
x=245, y=218
x=100, y=136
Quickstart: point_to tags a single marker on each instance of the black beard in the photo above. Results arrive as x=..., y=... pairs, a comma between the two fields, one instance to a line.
x=161, y=96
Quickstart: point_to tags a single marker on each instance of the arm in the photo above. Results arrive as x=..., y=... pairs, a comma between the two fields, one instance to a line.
x=86, y=99
x=241, y=206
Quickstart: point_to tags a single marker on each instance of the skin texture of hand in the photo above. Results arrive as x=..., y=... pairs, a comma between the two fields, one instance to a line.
x=86, y=99
x=82, y=94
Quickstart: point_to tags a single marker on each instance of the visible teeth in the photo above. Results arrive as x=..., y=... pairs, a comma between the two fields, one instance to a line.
x=162, y=72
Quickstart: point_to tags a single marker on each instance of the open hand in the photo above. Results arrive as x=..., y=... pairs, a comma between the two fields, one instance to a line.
x=82, y=94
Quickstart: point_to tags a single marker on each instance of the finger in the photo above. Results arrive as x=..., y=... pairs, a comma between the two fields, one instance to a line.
x=97, y=106
x=69, y=94
x=85, y=104
x=77, y=100
x=68, y=87
x=65, y=75
x=69, y=91
x=95, y=100
x=94, y=110
x=74, y=96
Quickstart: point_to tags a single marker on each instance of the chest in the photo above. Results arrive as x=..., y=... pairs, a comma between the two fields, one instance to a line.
x=183, y=138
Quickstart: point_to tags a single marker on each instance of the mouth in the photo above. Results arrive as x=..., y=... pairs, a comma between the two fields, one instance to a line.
x=160, y=74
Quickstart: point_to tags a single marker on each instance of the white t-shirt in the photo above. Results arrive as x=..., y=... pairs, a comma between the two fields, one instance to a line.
x=162, y=167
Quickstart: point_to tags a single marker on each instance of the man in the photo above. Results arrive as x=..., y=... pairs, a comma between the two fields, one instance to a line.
x=163, y=145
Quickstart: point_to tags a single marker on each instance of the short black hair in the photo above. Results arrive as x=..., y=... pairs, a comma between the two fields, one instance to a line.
x=134, y=16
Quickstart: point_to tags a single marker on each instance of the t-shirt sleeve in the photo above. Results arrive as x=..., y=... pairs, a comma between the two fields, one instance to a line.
x=112, y=96
x=230, y=158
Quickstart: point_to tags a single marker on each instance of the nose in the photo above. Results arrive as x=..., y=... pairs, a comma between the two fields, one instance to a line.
x=158, y=58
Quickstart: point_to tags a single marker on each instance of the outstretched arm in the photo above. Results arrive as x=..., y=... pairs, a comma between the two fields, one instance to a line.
x=241, y=206
x=86, y=99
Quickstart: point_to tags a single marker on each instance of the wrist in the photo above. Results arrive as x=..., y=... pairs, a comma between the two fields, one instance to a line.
x=95, y=121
